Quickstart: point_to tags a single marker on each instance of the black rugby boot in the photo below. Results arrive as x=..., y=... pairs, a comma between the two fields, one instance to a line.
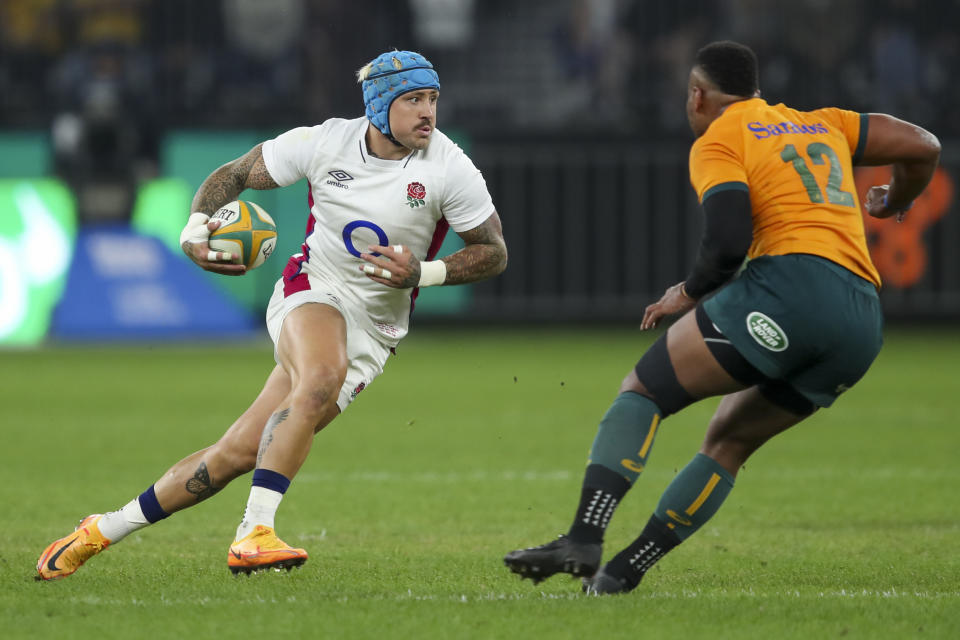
x=602, y=583
x=560, y=556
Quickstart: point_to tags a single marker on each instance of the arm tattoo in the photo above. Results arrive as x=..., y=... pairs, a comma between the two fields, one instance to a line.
x=267, y=436
x=201, y=485
x=484, y=256
x=226, y=183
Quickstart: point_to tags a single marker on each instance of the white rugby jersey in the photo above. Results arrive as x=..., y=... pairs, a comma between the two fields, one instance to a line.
x=357, y=200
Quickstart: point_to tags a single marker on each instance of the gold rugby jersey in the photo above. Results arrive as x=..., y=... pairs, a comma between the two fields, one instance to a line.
x=798, y=169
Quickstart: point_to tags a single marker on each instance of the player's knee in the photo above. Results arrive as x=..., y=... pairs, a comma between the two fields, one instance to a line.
x=656, y=379
x=318, y=389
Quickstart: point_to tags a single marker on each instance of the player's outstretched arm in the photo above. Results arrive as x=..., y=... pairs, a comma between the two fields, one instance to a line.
x=222, y=186
x=484, y=256
x=914, y=153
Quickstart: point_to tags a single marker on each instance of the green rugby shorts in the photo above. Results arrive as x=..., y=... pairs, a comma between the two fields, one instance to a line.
x=803, y=319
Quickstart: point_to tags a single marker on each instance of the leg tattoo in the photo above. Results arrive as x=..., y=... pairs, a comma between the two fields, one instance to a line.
x=267, y=436
x=200, y=484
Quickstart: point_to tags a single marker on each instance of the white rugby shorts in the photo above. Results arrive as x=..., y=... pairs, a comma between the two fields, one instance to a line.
x=366, y=356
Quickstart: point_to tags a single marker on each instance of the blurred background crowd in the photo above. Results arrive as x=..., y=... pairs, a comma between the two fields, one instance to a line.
x=506, y=65
x=110, y=76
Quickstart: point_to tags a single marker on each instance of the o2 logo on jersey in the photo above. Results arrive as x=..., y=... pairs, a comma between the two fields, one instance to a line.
x=348, y=230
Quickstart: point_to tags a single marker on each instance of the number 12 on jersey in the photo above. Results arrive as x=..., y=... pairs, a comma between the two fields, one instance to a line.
x=817, y=151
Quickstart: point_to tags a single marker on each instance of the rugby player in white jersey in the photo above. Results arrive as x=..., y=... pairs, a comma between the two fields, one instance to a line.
x=383, y=190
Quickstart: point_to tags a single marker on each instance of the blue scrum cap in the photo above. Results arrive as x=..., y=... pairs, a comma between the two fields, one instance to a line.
x=391, y=75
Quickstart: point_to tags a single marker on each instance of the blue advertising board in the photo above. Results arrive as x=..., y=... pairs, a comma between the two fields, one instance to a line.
x=124, y=285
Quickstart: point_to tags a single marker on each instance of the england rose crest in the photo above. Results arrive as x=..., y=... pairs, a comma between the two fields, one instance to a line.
x=360, y=387
x=416, y=192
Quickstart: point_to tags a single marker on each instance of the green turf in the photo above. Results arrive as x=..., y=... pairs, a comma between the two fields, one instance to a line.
x=471, y=445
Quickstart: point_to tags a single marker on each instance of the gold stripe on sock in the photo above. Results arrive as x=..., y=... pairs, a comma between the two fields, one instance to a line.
x=649, y=441
x=707, y=490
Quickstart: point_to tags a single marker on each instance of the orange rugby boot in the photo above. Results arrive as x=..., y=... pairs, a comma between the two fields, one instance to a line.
x=66, y=555
x=262, y=549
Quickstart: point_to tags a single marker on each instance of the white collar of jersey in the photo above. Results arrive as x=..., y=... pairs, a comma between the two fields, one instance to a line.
x=369, y=158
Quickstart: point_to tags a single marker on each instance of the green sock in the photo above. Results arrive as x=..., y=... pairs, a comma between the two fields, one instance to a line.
x=694, y=496
x=626, y=435
x=617, y=457
x=688, y=502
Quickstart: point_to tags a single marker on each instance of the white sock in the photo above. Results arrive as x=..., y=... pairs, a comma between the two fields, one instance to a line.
x=261, y=509
x=117, y=525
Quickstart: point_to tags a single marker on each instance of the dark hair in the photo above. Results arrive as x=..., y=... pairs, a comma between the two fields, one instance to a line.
x=731, y=66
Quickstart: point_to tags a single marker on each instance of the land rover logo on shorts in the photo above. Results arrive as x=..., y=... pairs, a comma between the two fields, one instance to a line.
x=767, y=332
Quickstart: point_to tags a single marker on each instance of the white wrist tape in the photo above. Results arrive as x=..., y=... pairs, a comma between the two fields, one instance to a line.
x=196, y=229
x=432, y=273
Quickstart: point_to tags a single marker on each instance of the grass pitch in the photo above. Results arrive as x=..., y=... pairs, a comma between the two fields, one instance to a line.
x=473, y=444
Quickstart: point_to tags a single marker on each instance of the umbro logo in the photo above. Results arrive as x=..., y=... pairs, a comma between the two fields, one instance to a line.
x=340, y=175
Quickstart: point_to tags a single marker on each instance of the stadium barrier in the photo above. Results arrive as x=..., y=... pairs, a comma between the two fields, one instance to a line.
x=598, y=230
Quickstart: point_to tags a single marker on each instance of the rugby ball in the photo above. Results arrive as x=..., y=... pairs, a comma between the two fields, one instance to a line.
x=245, y=230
